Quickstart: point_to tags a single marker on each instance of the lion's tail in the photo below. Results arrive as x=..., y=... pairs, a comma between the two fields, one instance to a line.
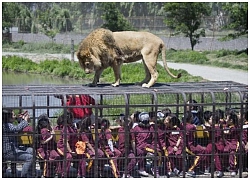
x=163, y=51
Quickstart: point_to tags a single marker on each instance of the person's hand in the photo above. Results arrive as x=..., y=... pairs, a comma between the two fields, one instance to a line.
x=175, y=148
x=25, y=116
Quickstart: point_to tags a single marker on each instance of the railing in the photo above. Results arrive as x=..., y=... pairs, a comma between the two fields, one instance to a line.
x=126, y=99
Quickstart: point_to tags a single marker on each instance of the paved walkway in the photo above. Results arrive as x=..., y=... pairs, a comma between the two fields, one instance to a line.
x=213, y=73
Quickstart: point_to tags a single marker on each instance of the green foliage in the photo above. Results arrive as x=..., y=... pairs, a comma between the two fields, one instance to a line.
x=18, y=64
x=51, y=33
x=10, y=10
x=114, y=20
x=224, y=52
x=186, y=18
x=187, y=56
x=38, y=47
x=238, y=13
x=48, y=66
x=66, y=68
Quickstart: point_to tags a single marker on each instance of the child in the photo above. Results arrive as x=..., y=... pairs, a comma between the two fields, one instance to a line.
x=46, y=146
x=141, y=139
x=245, y=138
x=158, y=138
x=59, y=122
x=191, y=146
x=231, y=137
x=68, y=133
x=86, y=136
x=121, y=147
x=195, y=110
x=106, y=144
x=218, y=140
x=175, y=144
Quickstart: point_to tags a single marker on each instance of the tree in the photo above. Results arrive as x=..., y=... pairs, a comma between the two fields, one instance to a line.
x=10, y=11
x=186, y=18
x=24, y=19
x=238, y=13
x=115, y=21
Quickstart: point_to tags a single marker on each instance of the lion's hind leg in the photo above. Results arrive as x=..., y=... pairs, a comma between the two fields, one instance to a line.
x=151, y=72
x=147, y=73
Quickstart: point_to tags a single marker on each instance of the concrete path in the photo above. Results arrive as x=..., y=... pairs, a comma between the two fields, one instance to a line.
x=213, y=73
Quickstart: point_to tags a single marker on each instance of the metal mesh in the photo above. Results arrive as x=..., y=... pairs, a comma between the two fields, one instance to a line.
x=126, y=99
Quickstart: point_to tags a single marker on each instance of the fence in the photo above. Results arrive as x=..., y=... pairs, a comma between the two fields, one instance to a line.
x=155, y=24
x=126, y=99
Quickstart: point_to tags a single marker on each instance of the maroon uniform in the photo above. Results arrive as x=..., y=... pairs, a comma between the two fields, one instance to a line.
x=71, y=136
x=58, y=127
x=159, y=134
x=131, y=155
x=232, y=145
x=88, y=139
x=46, y=151
x=193, y=148
x=104, y=137
x=219, y=146
x=173, y=135
x=245, y=136
x=142, y=138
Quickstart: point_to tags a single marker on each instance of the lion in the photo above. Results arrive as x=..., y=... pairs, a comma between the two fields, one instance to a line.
x=103, y=48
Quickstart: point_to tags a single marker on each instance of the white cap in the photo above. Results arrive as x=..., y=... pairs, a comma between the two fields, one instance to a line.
x=144, y=116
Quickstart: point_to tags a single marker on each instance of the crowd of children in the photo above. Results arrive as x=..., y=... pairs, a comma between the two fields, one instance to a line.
x=161, y=136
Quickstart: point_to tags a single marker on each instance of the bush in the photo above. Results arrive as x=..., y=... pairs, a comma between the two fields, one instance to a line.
x=187, y=56
x=223, y=52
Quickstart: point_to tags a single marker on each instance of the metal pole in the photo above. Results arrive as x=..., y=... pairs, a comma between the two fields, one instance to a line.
x=72, y=50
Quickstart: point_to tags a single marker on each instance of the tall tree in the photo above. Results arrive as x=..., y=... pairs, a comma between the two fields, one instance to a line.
x=24, y=19
x=10, y=11
x=114, y=20
x=186, y=18
x=238, y=13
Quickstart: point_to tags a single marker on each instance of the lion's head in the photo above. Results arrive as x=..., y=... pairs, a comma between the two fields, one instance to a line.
x=87, y=61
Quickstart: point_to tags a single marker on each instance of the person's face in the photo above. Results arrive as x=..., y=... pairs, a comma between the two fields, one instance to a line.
x=210, y=120
x=11, y=120
x=166, y=122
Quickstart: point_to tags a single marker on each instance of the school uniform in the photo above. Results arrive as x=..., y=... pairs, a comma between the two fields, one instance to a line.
x=104, y=137
x=175, y=157
x=219, y=147
x=232, y=146
x=71, y=136
x=48, y=152
x=193, y=148
x=121, y=148
x=142, y=138
x=88, y=139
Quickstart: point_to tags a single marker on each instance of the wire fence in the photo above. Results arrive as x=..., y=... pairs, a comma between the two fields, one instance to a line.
x=77, y=29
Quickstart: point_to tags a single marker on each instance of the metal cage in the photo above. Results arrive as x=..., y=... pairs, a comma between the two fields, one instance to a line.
x=126, y=99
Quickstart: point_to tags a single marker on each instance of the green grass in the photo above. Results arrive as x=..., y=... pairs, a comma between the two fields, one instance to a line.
x=66, y=68
x=221, y=58
x=21, y=46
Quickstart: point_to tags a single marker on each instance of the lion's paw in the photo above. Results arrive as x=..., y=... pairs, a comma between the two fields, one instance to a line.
x=145, y=85
x=91, y=85
x=115, y=85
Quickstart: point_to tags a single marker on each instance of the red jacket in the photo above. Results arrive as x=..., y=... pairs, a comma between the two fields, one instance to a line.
x=80, y=113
